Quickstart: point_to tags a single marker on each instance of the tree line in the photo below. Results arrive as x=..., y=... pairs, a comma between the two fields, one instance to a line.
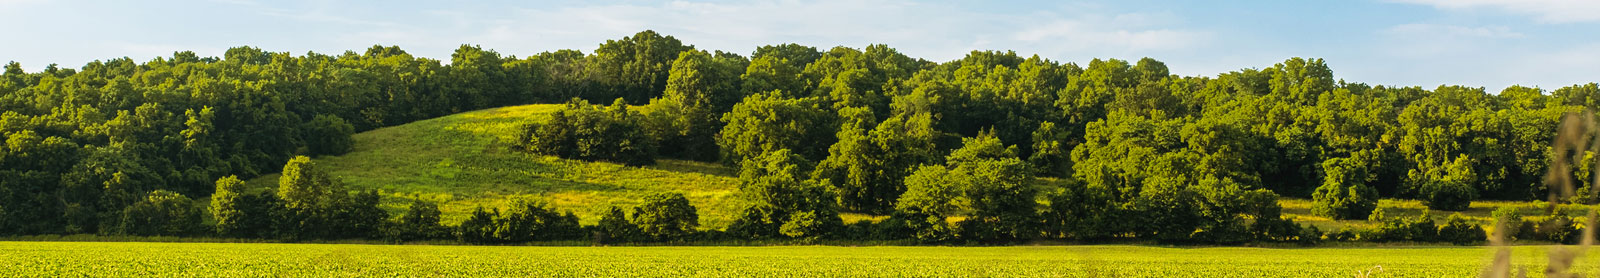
x=992, y=146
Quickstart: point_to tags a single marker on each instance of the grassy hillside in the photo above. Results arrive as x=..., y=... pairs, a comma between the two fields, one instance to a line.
x=465, y=160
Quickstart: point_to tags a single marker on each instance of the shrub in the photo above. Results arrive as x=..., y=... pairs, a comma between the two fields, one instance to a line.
x=421, y=221
x=479, y=228
x=161, y=213
x=1556, y=228
x=1344, y=193
x=587, y=132
x=614, y=227
x=666, y=216
x=328, y=135
x=1460, y=231
x=803, y=225
x=528, y=220
x=1509, y=223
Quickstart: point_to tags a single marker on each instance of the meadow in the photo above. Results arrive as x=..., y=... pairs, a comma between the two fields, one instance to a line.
x=466, y=160
x=69, y=259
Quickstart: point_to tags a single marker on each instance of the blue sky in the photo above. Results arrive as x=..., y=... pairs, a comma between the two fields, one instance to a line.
x=1485, y=43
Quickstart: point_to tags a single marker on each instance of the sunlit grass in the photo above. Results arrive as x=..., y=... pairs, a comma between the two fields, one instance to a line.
x=466, y=160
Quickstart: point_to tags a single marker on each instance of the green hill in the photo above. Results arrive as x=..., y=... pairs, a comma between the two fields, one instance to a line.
x=466, y=160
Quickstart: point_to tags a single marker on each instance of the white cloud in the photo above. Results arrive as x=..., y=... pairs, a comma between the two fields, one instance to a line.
x=1546, y=11
x=932, y=30
x=1423, y=29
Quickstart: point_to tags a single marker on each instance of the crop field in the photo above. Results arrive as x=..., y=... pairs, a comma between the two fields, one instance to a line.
x=70, y=259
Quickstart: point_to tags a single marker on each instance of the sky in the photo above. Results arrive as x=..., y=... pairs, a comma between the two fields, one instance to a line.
x=1481, y=43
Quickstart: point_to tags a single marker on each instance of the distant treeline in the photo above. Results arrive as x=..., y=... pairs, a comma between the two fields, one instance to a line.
x=948, y=151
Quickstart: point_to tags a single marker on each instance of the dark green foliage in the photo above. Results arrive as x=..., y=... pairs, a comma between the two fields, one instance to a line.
x=868, y=164
x=239, y=214
x=328, y=135
x=1557, y=227
x=1080, y=212
x=532, y=221
x=635, y=67
x=666, y=216
x=684, y=119
x=589, y=132
x=162, y=213
x=614, y=227
x=1344, y=193
x=420, y=222
x=778, y=197
x=316, y=206
x=1460, y=231
x=771, y=121
x=479, y=227
x=1510, y=223
x=1420, y=228
x=983, y=181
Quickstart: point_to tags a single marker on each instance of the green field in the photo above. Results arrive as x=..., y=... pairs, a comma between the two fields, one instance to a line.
x=67, y=259
x=465, y=160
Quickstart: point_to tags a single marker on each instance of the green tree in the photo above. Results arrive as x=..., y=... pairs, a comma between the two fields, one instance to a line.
x=1344, y=193
x=635, y=67
x=772, y=186
x=769, y=122
x=983, y=181
x=868, y=164
x=421, y=221
x=666, y=216
x=162, y=213
x=615, y=227
x=329, y=135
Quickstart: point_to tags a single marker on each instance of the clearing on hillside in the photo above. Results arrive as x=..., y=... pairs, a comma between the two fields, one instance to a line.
x=466, y=160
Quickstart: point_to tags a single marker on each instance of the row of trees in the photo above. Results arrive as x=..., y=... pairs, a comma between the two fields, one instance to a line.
x=842, y=130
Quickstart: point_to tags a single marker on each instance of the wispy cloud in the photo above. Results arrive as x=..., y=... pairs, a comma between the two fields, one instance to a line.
x=1545, y=11
x=1423, y=29
x=934, y=30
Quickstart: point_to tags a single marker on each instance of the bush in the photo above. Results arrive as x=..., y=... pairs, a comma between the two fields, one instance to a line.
x=420, y=222
x=804, y=225
x=479, y=228
x=1451, y=196
x=1556, y=228
x=1420, y=228
x=161, y=213
x=666, y=216
x=586, y=132
x=1344, y=193
x=614, y=227
x=328, y=135
x=531, y=221
x=1509, y=223
x=1460, y=231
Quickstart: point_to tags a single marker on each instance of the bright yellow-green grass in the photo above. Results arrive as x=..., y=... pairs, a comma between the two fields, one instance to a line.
x=73, y=259
x=466, y=160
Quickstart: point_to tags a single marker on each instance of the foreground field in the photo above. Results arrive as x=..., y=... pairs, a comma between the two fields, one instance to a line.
x=69, y=259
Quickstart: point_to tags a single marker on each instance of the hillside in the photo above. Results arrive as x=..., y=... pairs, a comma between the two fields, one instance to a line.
x=465, y=160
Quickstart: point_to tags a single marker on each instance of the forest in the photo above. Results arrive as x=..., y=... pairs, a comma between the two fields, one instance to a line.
x=992, y=147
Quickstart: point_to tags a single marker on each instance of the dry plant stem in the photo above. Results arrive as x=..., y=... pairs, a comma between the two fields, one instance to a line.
x=1569, y=146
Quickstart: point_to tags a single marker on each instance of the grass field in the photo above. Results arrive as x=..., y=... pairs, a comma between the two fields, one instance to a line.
x=71, y=259
x=465, y=160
